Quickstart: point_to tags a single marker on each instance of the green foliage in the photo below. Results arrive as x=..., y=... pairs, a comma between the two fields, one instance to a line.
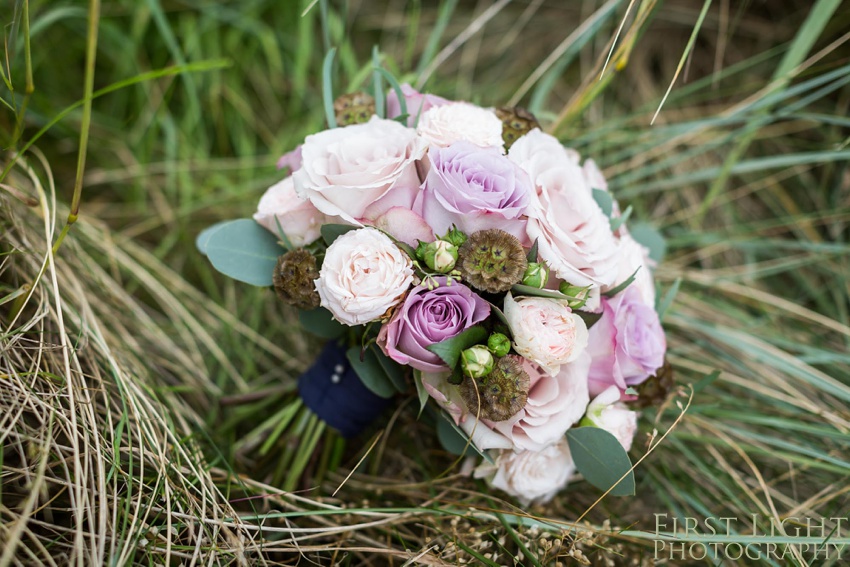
x=601, y=460
x=449, y=350
x=243, y=250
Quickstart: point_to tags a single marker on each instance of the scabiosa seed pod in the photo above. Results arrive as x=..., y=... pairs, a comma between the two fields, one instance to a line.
x=654, y=389
x=293, y=279
x=354, y=108
x=492, y=260
x=500, y=394
x=516, y=122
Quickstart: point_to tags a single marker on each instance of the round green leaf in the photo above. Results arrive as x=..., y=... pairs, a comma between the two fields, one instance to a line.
x=601, y=459
x=243, y=250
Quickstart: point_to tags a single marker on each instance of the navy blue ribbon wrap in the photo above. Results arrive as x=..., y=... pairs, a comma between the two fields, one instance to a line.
x=332, y=390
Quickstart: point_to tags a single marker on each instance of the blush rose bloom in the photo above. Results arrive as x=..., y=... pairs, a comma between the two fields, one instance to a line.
x=429, y=316
x=634, y=259
x=627, y=344
x=531, y=476
x=545, y=331
x=606, y=413
x=360, y=171
x=364, y=274
x=574, y=235
x=444, y=125
x=555, y=403
x=474, y=189
x=300, y=220
x=416, y=102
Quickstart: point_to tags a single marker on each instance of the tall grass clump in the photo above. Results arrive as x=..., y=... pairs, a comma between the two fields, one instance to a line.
x=141, y=391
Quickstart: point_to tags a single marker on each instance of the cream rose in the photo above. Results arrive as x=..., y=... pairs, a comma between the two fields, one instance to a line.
x=574, y=235
x=606, y=413
x=444, y=125
x=363, y=274
x=531, y=476
x=545, y=331
x=360, y=171
x=300, y=220
x=554, y=404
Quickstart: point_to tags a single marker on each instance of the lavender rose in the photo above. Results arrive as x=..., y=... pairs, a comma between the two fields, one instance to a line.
x=627, y=344
x=427, y=317
x=416, y=102
x=474, y=189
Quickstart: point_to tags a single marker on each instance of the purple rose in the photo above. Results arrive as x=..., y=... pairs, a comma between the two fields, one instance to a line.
x=474, y=188
x=627, y=344
x=417, y=103
x=427, y=317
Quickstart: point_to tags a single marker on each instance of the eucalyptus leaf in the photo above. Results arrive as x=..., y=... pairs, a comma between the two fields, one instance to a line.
x=649, y=236
x=331, y=232
x=614, y=291
x=449, y=350
x=321, y=323
x=669, y=297
x=204, y=236
x=243, y=250
x=455, y=440
x=706, y=381
x=617, y=222
x=604, y=200
x=520, y=289
x=393, y=370
x=589, y=319
x=370, y=371
x=601, y=460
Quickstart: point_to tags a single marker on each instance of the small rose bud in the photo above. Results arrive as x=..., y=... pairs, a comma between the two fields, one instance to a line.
x=499, y=344
x=578, y=294
x=455, y=236
x=477, y=361
x=440, y=256
x=536, y=275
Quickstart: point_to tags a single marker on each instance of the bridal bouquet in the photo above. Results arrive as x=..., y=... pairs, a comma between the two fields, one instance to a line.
x=462, y=253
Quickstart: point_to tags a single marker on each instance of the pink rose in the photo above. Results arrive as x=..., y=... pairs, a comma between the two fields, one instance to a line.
x=634, y=259
x=554, y=404
x=531, y=476
x=360, y=171
x=416, y=102
x=545, y=331
x=474, y=189
x=300, y=220
x=627, y=344
x=574, y=235
x=292, y=160
x=444, y=125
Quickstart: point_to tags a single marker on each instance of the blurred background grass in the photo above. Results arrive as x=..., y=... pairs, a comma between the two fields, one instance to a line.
x=182, y=372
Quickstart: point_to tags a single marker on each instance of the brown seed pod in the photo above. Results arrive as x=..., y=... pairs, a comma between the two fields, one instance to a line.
x=500, y=394
x=653, y=391
x=354, y=108
x=492, y=260
x=293, y=279
x=516, y=122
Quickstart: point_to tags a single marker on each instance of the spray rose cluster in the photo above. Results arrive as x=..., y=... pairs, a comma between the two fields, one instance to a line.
x=486, y=263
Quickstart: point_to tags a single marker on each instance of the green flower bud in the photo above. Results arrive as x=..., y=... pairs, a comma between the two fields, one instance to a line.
x=440, y=256
x=536, y=275
x=455, y=236
x=499, y=344
x=477, y=361
x=578, y=295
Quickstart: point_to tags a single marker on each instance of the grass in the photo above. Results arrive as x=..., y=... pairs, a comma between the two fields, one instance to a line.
x=142, y=393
